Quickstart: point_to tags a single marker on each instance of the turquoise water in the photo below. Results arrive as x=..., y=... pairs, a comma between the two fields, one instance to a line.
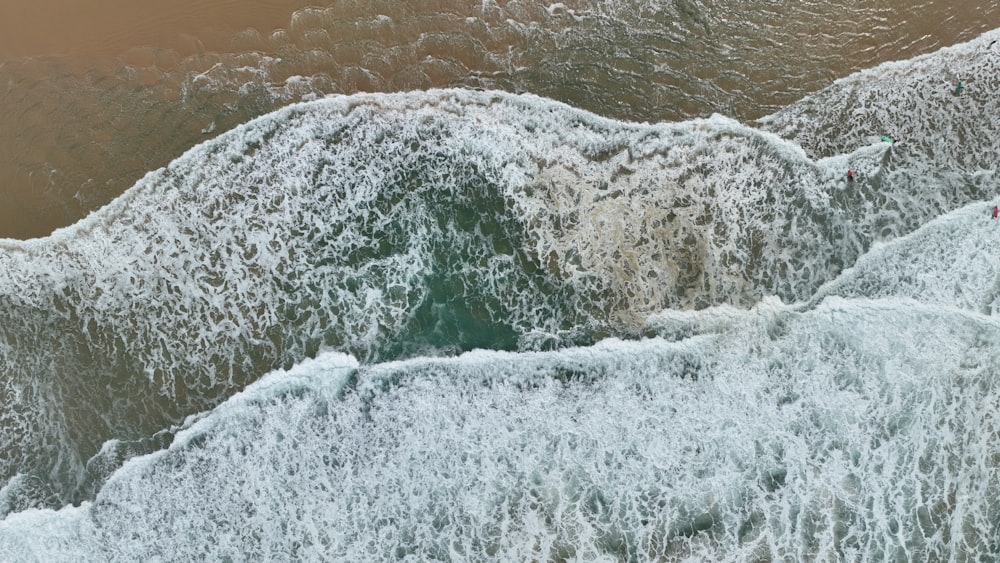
x=466, y=325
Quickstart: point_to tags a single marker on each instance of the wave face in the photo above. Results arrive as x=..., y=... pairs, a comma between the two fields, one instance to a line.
x=495, y=326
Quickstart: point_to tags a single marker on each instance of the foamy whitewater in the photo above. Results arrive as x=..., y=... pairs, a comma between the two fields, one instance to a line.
x=474, y=325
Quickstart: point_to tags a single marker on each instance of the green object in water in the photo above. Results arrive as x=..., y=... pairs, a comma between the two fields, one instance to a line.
x=888, y=139
x=958, y=89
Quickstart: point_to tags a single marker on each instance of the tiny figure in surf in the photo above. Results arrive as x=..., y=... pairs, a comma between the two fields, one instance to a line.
x=958, y=88
x=996, y=211
x=890, y=139
x=850, y=175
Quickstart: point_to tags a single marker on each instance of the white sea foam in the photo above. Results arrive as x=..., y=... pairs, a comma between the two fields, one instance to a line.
x=951, y=261
x=859, y=430
x=335, y=223
x=916, y=101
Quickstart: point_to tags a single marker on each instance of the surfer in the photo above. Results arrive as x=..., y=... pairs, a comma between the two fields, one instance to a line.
x=958, y=89
x=996, y=211
x=850, y=175
x=890, y=139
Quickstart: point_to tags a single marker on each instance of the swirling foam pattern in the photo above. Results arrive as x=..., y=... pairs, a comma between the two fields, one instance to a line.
x=386, y=225
x=395, y=228
x=776, y=434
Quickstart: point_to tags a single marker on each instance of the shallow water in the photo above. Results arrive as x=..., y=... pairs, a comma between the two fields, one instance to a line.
x=95, y=99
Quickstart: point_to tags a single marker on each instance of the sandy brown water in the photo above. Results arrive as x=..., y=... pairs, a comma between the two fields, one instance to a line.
x=97, y=93
x=107, y=28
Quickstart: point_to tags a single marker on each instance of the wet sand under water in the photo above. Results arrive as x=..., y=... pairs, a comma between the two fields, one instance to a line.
x=97, y=93
x=91, y=29
x=59, y=158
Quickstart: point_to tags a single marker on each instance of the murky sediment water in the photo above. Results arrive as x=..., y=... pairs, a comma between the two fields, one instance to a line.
x=94, y=100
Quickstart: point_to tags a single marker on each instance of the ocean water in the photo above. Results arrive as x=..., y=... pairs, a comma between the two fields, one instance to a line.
x=83, y=126
x=476, y=324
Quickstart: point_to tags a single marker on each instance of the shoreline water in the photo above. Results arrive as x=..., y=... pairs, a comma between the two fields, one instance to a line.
x=40, y=28
x=97, y=98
